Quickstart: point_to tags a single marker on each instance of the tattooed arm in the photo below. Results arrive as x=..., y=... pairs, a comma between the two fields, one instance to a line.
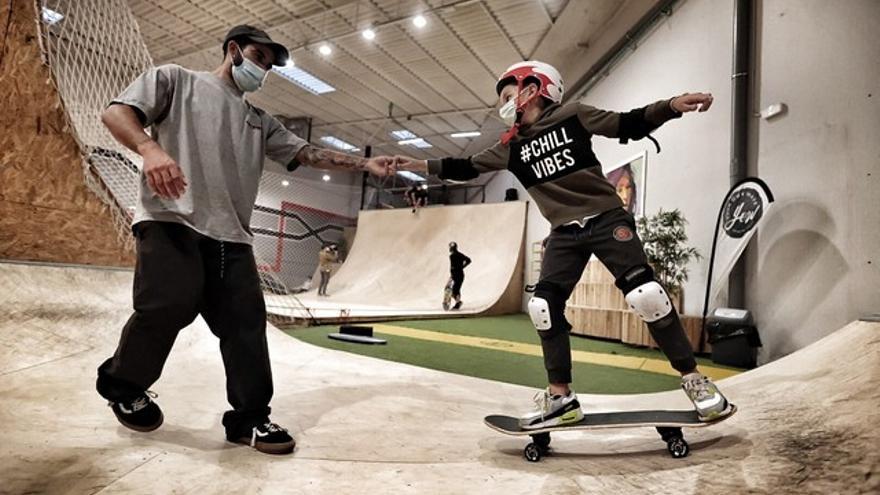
x=312, y=156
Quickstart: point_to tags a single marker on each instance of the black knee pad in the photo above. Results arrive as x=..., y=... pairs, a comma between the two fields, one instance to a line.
x=547, y=310
x=634, y=277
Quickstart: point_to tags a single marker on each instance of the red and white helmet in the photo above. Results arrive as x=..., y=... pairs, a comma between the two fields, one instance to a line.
x=549, y=78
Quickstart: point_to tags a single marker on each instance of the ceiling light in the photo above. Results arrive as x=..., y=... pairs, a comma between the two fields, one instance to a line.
x=369, y=34
x=416, y=143
x=285, y=183
x=338, y=143
x=403, y=134
x=325, y=49
x=304, y=79
x=326, y=178
x=419, y=21
x=405, y=137
x=465, y=134
x=51, y=17
x=411, y=175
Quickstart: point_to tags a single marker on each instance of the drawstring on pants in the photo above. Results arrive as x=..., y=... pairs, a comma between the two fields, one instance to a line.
x=222, y=258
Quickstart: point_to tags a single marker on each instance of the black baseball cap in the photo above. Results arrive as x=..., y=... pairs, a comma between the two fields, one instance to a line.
x=258, y=36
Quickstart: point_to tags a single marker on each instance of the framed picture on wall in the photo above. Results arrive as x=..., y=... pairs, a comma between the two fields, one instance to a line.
x=628, y=177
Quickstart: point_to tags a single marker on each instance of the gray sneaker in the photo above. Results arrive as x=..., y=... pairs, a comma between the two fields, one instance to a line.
x=707, y=399
x=552, y=410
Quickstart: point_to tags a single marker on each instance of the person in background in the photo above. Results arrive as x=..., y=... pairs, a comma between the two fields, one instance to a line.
x=328, y=256
x=457, y=263
x=417, y=196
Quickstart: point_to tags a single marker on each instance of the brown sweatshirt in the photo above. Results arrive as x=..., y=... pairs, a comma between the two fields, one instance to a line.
x=326, y=260
x=554, y=160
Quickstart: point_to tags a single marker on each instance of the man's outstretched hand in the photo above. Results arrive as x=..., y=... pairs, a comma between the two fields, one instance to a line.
x=690, y=102
x=411, y=164
x=381, y=166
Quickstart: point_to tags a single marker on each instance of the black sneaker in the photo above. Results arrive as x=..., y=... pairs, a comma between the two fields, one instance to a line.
x=139, y=414
x=457, y=305
x=269, y=438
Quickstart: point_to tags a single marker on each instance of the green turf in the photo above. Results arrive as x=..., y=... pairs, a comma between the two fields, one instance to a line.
x=500, y=365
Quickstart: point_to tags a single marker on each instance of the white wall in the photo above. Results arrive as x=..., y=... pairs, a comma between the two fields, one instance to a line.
x=689, y=51
x=814, y=265
x=817, y=256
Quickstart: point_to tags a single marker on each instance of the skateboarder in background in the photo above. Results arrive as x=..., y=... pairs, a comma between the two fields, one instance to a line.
x=417, y=196
x=457, y=263
x=326, y=258
x=548, y=148
x=202, y=163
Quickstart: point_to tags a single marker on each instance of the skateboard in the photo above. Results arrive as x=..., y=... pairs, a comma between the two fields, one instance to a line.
x=668, y=424
x=447, y=295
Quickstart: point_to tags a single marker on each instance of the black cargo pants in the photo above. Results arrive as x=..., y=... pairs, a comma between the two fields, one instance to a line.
x=612, y=237
x=180, y=274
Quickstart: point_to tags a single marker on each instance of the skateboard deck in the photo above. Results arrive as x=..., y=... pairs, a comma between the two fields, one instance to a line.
x=447, y=295
x=668, y=424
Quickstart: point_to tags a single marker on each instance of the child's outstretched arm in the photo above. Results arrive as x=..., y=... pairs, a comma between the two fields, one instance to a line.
x=640, y=122
x=458, y=169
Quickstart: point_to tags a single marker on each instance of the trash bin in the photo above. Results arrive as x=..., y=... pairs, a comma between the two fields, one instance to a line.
x=734, y=337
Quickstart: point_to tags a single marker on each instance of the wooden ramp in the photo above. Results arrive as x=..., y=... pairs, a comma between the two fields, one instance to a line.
x=399, y=265
x=807, y=423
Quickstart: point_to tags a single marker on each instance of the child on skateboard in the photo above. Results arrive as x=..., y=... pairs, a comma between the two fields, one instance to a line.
x=548, y=148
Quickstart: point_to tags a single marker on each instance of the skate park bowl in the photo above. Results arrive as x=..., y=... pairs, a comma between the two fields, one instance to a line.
x=399, y=265
x=806, y=422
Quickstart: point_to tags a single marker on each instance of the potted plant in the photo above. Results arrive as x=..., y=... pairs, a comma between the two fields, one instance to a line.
x=664, y=238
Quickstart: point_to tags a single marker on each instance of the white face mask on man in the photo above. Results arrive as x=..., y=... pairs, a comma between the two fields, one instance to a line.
x=248, y=76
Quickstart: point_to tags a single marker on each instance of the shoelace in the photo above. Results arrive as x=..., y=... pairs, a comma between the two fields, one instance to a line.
x=269, y=427
x=698, y=388
x=139, y=403
x=144, y=400
x=542, y=402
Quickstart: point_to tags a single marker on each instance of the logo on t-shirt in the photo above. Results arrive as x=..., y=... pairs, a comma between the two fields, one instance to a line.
x=555, y=152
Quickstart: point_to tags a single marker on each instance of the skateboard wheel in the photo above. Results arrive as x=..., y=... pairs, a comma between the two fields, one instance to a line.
x=678, y=448
x=542, y=440
x=532, y=452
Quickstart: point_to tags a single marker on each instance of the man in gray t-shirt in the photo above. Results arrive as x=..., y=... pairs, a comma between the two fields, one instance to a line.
x=202, y=163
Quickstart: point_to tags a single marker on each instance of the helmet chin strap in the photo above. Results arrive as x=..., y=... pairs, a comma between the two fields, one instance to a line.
x=520, y=111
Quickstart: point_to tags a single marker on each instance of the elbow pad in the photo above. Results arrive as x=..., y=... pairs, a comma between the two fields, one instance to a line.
x=458, y=169
x=634, y=126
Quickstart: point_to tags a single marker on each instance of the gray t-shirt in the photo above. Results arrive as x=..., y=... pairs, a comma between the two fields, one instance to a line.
x=220, y=142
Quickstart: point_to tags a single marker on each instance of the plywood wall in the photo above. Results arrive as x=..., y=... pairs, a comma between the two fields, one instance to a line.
x=46, y=211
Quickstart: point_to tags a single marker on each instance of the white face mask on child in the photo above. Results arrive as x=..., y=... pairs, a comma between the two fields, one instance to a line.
x=507, y=112
x=247, y=75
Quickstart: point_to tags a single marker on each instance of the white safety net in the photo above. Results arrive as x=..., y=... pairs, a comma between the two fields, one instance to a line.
x=94, y=50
